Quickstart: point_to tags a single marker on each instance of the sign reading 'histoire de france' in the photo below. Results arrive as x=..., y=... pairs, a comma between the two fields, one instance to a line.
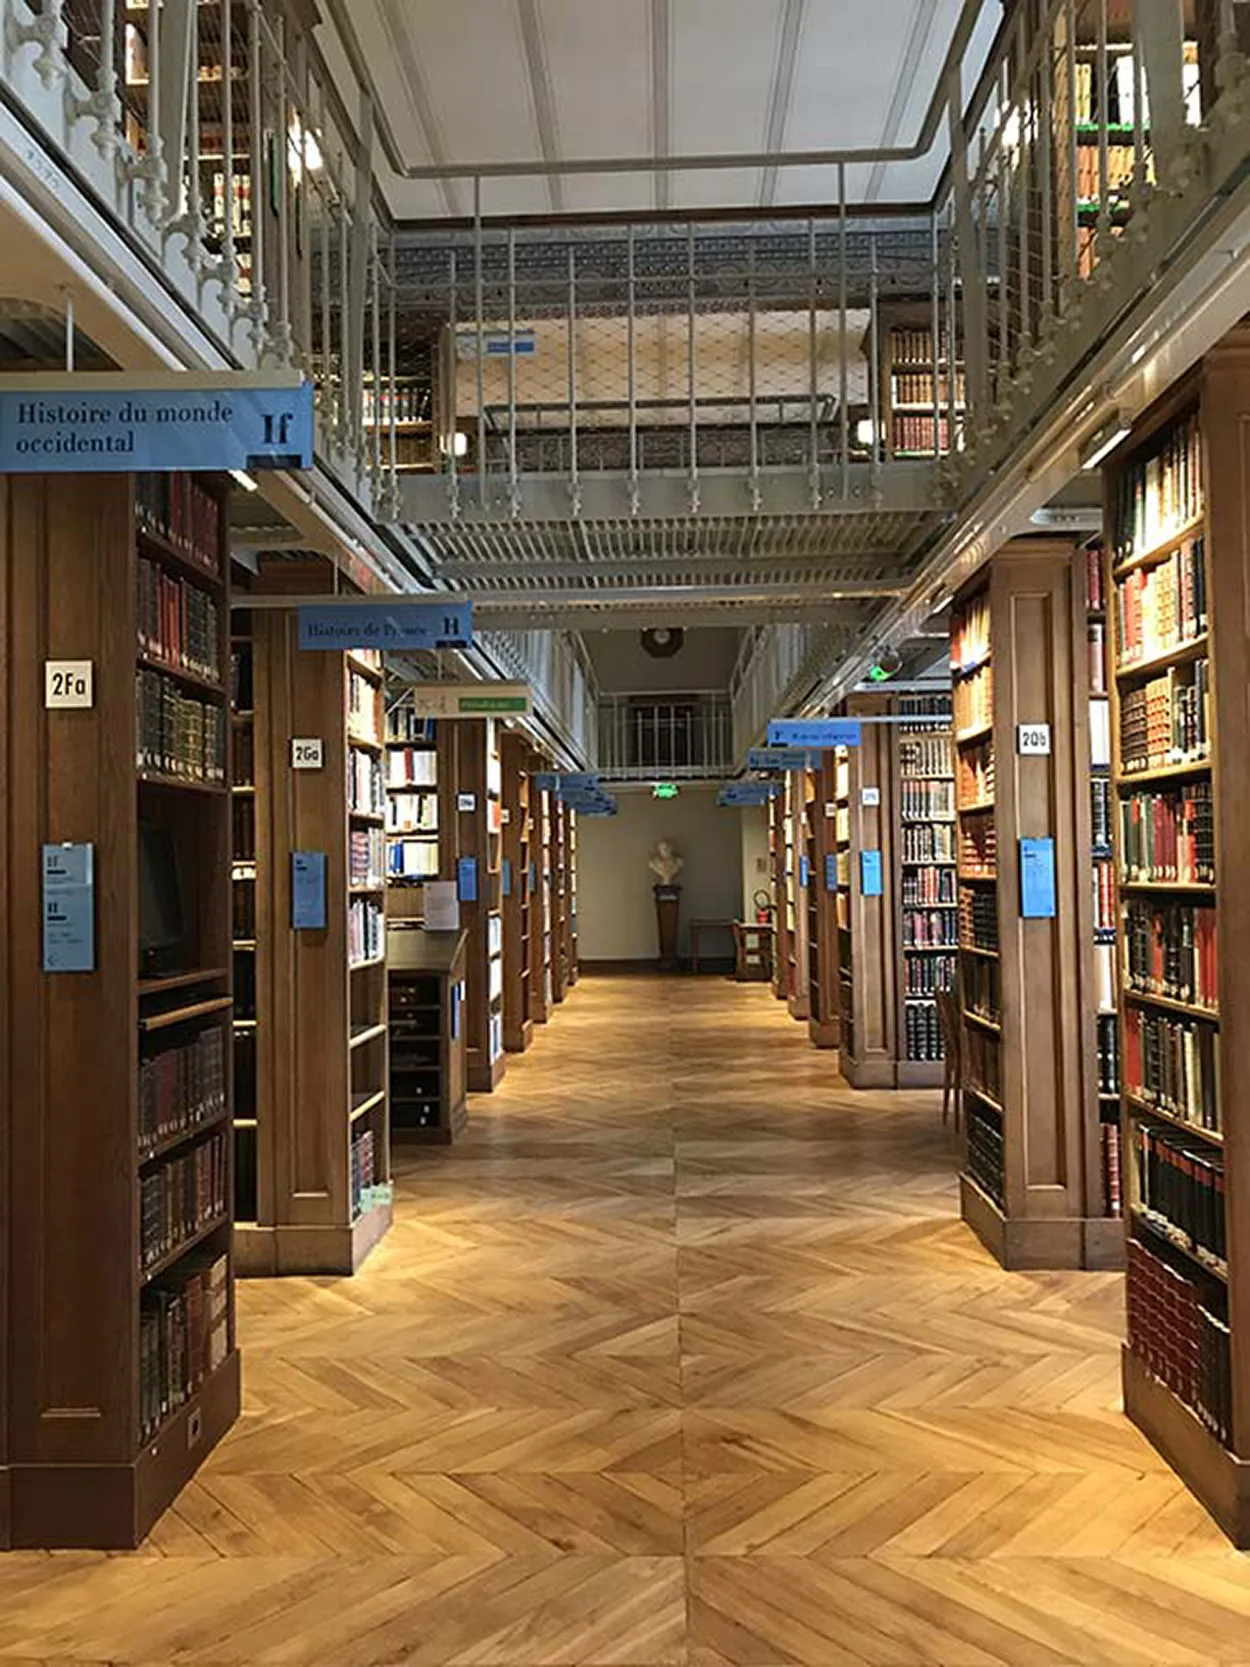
x=99, y=424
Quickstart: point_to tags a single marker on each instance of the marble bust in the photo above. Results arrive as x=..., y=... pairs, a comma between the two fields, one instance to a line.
x=665, y=862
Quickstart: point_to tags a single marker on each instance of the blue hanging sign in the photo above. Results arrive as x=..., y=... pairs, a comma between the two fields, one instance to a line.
x=735, y=793
x=389, y=623
x=308, y=891
x=816, y=733
x=1037, y=879
x=117, y=424
x=466, y=879
x=778, y=758
x=69, y=908
x=870, y=879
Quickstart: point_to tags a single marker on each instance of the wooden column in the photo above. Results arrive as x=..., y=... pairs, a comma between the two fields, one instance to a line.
x=476, y=814
x=824, y=1023
x=518, y=1023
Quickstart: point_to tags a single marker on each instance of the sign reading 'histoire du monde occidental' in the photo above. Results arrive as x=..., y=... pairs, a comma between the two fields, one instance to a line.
x=106, y=424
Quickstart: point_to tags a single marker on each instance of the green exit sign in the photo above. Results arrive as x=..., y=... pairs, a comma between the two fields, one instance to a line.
x=664, y=790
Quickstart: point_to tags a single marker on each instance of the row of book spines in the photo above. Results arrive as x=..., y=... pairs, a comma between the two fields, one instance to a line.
x=1112, y=1179
x=184, y=1337
x=179, y=1198
x=1121, y=160
x=1161, y=494
x=244, y=910
x=412, y=859
x=407, y=402
x=1168, y=720
x=1183, y=1186
x=974, y=701
x=978, y=918
x=366, y=786
x=985, y=1149
x=363, y=1170
x=1181, y=1341
x=362, y=706
x=366, y=928
x=1169, y=836
x=925, y=887
x=1095, y=581
x=1174, y=1064
x=1163, y=606
x=976, y=774
x=922, y=1032
x=175, y=733
x=922, y=800
x=1115, y=90
x=978, y=842
x=1108, y=1047
x=930, y=975
x=1100, y=803
x=916, y=387
x=933, y=844
x=924, y=929
x=181, y=1087
x=913, y=431
x=412, y=767
x=184, y=513
x=970, y=638
x=403, y=726
x=366, y=856
x=177, y=621
x=933, y=711
x=925, y=759
x=983, y=1062
x=1171, y=950
x=981, y=989
x=1102, y=877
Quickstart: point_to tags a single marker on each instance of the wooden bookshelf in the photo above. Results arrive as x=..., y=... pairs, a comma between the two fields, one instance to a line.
x=1019, y=659
x=518, y=909
x=777, y=884
x=413, y=815
x=475, y=797
x=1178, y=576
x=824, y=1023
x=322, y=1133
x=570, y=886
x=118, y=1077
x=867, y=921
x=428, y=1053
x=794, y=874
x=542, y=802
x=558, y=859
x=926, y=948
x=909, y=380
x=249, y=867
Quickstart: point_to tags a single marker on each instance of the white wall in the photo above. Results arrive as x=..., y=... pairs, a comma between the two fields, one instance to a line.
x=754, y=826
x=705, y=660
x=615, y=908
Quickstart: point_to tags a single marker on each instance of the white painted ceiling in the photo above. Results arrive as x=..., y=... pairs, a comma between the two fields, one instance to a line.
x=484, y=81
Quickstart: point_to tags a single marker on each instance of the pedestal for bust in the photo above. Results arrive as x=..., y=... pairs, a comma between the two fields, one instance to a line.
x=667, y=905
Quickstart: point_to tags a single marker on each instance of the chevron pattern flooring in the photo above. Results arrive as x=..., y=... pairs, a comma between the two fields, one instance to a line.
x=684, y=1360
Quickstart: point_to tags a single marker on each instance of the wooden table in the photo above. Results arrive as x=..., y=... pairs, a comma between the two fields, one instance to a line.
x=697, y=929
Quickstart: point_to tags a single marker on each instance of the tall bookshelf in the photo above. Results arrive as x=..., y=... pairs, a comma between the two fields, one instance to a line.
x=910, y=380
x=477, y=786
x=412, y=808
x=777, y=884
x=538, y=885
x=518, y=903
x=246, y=884
x=865, y=814
x=122, y=1371
x=824, y=1026
x=1176, y=516
x=570, y=871
x=928, y=904
x=795, y=874
x=1104, y=1159
x=1019, y=647
x=322, y=1102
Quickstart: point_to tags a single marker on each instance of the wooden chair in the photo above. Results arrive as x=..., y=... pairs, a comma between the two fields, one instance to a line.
x=952, y=1077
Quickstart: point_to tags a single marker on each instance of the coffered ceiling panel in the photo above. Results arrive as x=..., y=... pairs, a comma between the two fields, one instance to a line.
x=538, y=82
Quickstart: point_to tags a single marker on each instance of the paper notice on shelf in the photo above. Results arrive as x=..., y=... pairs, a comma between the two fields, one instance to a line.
x=442, y=906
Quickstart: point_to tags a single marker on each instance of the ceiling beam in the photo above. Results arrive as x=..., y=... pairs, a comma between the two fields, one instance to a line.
x=660, y=570
x=639, y=618
x=581, y=596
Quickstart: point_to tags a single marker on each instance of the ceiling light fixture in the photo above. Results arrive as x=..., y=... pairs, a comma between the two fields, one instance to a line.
x=1103, y=441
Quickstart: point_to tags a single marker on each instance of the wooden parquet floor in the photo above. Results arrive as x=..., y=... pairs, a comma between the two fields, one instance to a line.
x=684, y=1359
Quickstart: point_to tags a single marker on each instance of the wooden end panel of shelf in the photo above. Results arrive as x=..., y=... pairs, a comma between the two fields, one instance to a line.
x=920, y=1073
x=286, y=1250
x=1021, y=1244
x=871, y=1058
x=66, y=567
x=1039, y=677
x=1220, y=1479
x=307, y=996
x=1225, y=404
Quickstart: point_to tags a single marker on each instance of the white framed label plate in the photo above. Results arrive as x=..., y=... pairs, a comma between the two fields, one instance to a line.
x=68, y=684
x=1033, y=740
x=307, y=752
x=870, y=797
